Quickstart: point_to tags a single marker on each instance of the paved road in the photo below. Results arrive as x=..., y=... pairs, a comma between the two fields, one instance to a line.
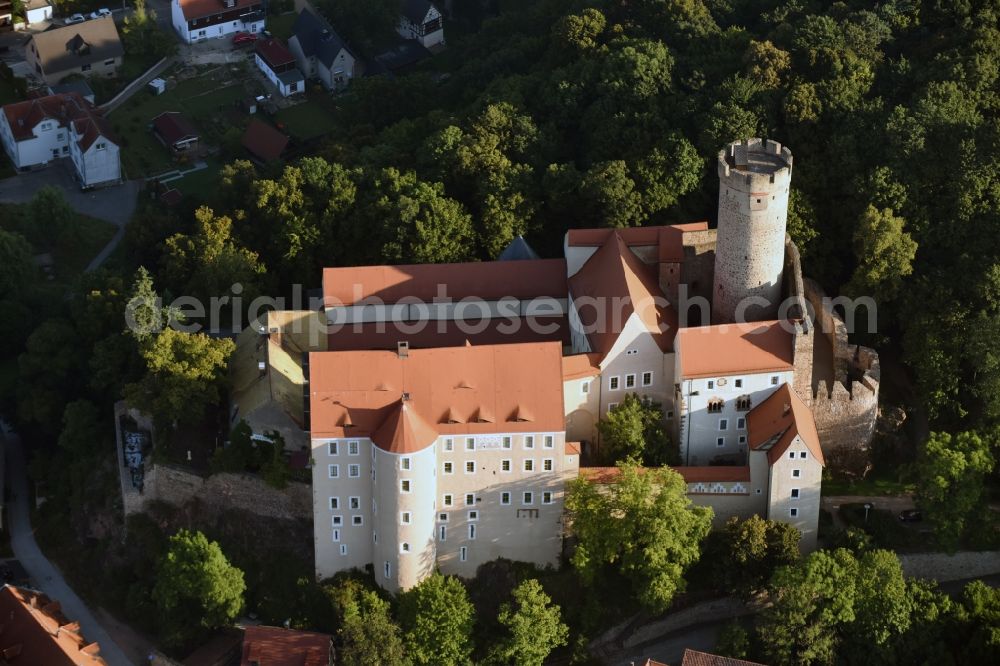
x=891, y=503
x=45, y=576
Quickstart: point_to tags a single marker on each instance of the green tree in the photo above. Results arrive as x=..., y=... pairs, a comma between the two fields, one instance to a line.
x=733, y=641
x=753, y=549
x=634, y=430
x=950, y=472
x=368, y=635
x=16, y=265
x=437, y=617
x=882, y=606
x=579, y=31
x=884, y=254
x=82, y=431
x=643, y=524
x=534, y=627
x=196, y=585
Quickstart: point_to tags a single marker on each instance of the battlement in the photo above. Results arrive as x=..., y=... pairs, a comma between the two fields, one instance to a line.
x=755, y=165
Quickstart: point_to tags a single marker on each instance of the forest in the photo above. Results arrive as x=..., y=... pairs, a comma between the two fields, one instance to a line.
x=545, y=115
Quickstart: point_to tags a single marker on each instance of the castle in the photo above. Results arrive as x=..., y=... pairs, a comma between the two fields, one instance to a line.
x=446, y=406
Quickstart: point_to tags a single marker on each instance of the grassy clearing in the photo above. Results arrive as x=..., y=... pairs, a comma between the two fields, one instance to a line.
x=70, y=255
x=202, y=185
x=870, y=486
x=313, y=118
x=281, y=26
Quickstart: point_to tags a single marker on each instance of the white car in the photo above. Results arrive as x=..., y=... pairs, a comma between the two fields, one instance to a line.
x=100, y=13
x=75, y=18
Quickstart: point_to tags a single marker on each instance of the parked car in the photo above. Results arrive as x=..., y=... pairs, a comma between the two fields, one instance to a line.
x=100, y=13
x=244, y=38
x=910, y=516
x=75, y=18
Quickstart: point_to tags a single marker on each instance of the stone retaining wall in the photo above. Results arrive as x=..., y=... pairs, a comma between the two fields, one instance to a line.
x=943, y=567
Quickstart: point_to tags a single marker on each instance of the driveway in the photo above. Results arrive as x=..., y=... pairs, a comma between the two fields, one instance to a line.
x=891, y=503
x=45, y=575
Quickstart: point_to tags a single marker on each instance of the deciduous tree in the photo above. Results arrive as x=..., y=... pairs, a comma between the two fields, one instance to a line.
x=534, y=627
x=437, y=617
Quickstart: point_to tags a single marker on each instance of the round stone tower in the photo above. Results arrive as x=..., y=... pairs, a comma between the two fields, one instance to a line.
x=754, y=180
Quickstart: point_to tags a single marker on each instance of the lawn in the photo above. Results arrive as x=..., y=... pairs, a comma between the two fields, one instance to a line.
x=202, y=185
x=200, y=98
x=866, y=487
x=70, y=258
x=311, y=119
x=281, y=26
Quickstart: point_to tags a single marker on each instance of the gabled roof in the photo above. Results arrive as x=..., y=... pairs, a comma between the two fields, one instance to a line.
x=35, y=631
x=668, y=239
x=193, y=9
x=317, y=38
x=274, y=52
x=488, y=281
x=620, y=284
x=773, y=425
x=696, y=658
x=416, y=10
x=518, y=250
x=80, y=44
x=578, y=366
x=732, y=349
x=448, y=390
x=174, y=127
x=272, y=646
x=263, y=141
x=64, y=109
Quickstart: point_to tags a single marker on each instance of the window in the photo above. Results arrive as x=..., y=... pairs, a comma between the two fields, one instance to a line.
x=447, y=499
x=738, y=383
x=357, y=521
x=470, y=499
x=333, y=471
x=721, y=441
x=505, y=497
x=86, y=68
x=354, y=503
x=353, y=449
x=791, y=455
x=547, y=464
x=527, y=498
x=585, y=387
x=670, y=414
x=334, y=503
x=774, y=380
x=723, y=424
x=470, y=467
x=793, y=512
x=613, y=383
x=631, y=352
x=404, y=486
x=529, y=465
x=442, y=533
x=505, y=465
x=757, y=491
x=743, y=439
x=343, y=549
x=404, y=518
x=630, y=381
x=338, y=521
x=374, y=507
x=715, y=405
x=647, y=379
x=404, y=547
x=336, y=536
x=404, y=464
x=506, y=442
x=611, y=406
x=529, y=442
x=547, y=497
x=470, y=443
x=463, y=553
x=796, y=473
x=802, y=455
x=443, y=517
x=472, y=532
x=448, y=467
x=550, y=442
x=741, y=423
x=354, y=471
x=387, y=569
x=795, y=493
x=473, y=515
x=743, y=403
x=109, y=62
x=331, y=449
x=449, y=444
x=711, y=384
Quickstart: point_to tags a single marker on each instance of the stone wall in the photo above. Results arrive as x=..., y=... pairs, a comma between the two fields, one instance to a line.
x=943, y=567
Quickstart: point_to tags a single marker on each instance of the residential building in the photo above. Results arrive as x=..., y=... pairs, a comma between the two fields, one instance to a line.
x=91, y=48
x=175, y=132
x=35, y=631
x=321, y=53
x=442, y=458
x=272, y=646
x=264, y=143
x=278, y=65
x=37, y=131
x=421, y=20
x=197, y=20
x=37, y=11
x=78, y=86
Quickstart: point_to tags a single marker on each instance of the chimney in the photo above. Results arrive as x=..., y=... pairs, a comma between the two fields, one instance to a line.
x=406, y=396
x=403, y=349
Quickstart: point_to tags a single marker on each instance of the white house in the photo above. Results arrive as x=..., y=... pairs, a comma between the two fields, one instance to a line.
x=421, y=20
x=278, y=65
x=36, y=132
x=197, y=20
x=37, y=11
x=321, y=53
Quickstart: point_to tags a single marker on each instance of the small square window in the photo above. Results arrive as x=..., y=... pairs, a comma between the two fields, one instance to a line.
x=473, y=515
x=404, y=486
x=585, y=387
x=791, y=455
x=527, y=498
x=757, y=492
x=505, y=465
x=547, y=465
x=741, y=423
x=796, y=473
x=793, y=512
x=470, y=499
x=795, y=493
x=613, y=383
x=647, y=379
x=338, y=521
x=404, y=518
x=354, y=503
x=449, y=444
x=505, y=497
x=723, y=424
x=670, y=414
x=353, y=448
x=506, y=442
x=802, y=454
x=529, y=441
x=354, y=471
x=550, y=442
x=738, y=383
x=357, y=521
x=743, y=439
x=443, y=517
x=721, y=441
x=447, y=500
x=529, y=465
x=711, y=383
x=404, y=547
x=334, y=503
x=404, y=464
x=448, y=467
x=470, y=443
x=333, y=471
x=547, y=497
x=332, y=449
x=629, y=381
x=470, y=467
x=774, y=380
x=612, y=406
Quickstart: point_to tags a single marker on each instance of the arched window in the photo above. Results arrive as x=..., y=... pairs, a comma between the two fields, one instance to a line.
x=715, y=405
x=743, y=403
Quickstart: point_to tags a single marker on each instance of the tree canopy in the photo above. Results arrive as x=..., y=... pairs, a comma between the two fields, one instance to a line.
x=437, y=618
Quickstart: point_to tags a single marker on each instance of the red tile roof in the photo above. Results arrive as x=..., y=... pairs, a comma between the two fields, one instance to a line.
x=669, y=239
x=274, y=52
x=487, y=389
x=778, y=420
x=264, y=141
x=65, y=108
x=33, y=630
x=193, y=9
x=695, y=658
x=730, y=349
x=579, y=366
x=488, y=281
x=672, y=240
x=447, y=334
x=272, y=646
x=701, y=474
x=174, y=127
x=620, y=284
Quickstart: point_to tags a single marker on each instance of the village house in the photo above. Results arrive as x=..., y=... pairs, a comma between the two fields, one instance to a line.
x=91, y=48
x=264, y=143
x=35, y=631
x=38, y=131
x=421, y=20
x=197, y=20
x=321, y=53
x=279, y=66
x=175, y=132
x=36, y=11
